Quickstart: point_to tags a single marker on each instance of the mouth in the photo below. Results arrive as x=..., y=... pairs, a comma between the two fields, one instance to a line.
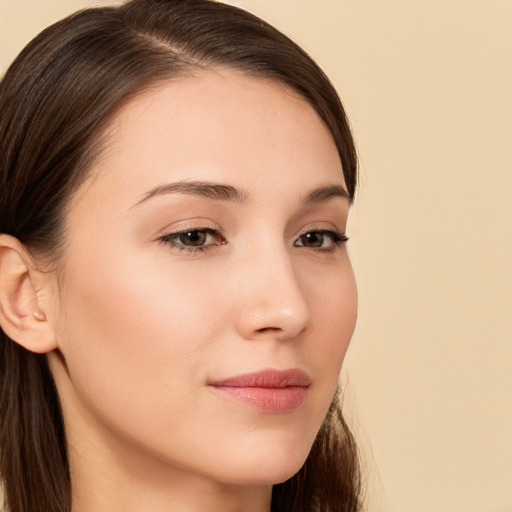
x=269, y=391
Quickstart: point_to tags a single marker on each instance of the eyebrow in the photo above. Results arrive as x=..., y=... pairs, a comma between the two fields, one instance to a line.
x=214, y=191
x=323, y=194
x=220, y=192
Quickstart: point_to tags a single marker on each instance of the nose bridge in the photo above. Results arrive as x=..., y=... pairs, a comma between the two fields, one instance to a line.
x=274, y=301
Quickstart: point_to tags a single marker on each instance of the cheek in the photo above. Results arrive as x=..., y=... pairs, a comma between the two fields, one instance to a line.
x=131, y=336
x=333, y=300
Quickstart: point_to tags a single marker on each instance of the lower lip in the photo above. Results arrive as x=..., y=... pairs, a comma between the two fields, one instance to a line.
x=270, y=400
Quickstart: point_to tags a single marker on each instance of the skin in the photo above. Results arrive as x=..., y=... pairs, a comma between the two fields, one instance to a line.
x=139, y=326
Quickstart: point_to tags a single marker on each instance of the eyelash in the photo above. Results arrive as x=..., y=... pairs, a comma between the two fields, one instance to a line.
x=170, y=239
x=337, y=239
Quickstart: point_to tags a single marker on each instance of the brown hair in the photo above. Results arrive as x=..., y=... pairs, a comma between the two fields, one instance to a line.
x=55, y=101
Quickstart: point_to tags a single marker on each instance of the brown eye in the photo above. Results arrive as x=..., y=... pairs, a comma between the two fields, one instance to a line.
x=194, y=238
x=327, y=240
x=313, y=239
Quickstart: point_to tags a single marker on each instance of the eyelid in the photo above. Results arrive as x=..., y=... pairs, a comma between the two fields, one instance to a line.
x=192, y=224
x=327, y=226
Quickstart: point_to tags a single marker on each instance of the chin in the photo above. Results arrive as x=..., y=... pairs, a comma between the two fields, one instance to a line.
x=266, y=463
x=264, y=475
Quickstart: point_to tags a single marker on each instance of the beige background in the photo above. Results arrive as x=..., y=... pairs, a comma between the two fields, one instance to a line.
x=428, y=87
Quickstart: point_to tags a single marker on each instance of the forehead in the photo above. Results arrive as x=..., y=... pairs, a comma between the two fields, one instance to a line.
x=219, y=125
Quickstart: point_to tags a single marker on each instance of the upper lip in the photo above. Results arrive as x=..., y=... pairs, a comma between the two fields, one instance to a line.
x=268, y=378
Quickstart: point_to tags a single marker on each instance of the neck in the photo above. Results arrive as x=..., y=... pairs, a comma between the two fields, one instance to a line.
x=113, y=473
x=125, y=494
x=113, y=481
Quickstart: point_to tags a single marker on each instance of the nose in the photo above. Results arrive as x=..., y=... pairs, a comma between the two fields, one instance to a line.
x=271, y=301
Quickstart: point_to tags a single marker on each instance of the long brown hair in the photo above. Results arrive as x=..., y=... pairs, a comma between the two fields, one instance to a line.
x=56, y=99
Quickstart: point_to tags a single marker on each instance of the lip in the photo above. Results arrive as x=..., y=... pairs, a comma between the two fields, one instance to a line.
x=270, y=391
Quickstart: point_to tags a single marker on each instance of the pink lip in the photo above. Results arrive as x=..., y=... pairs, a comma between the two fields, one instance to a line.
x=272, y=391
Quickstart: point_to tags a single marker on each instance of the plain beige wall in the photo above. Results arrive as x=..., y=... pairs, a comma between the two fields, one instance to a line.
x=428, y=87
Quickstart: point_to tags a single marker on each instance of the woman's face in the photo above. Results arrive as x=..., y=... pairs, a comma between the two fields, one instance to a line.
x=206, y=298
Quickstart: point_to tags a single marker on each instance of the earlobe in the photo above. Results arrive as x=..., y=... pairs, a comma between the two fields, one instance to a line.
x=22, y=318
x=39, y=315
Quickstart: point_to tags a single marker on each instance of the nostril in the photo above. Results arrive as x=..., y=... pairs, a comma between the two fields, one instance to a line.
x=268, y=329
x=278, y=332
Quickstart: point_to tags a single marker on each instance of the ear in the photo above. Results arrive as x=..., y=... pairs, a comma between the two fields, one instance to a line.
x=22, y=316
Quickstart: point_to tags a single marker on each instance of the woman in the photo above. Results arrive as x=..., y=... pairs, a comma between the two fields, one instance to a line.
x=176, y=296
